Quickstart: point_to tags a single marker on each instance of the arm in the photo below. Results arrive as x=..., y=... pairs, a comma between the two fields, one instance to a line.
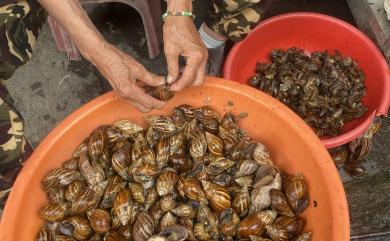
x=118, y=68
x=182, y=38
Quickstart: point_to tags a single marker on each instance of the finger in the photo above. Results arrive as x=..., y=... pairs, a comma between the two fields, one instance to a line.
x=201, y=74
x=146, y=100
x=173, y=65
x=188, y=76
x=140, y=107
x=140, y=73
x=150, y=78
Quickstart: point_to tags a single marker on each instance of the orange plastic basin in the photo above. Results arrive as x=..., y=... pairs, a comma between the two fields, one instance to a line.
x=293, y=145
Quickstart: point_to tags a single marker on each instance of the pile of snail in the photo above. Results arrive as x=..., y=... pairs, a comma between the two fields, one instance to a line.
x=325, y=90
x=189, y=176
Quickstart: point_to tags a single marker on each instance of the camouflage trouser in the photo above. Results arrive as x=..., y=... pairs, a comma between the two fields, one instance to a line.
x=234, y=18
x=19, y=25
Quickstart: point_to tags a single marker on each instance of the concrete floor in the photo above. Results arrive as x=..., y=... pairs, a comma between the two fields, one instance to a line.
x=49, y=88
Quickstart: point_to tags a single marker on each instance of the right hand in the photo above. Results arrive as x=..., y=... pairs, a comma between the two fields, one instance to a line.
x=123, y=72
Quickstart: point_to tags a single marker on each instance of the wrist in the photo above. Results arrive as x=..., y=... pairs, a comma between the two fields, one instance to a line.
x=95, y=53
x=179, y=5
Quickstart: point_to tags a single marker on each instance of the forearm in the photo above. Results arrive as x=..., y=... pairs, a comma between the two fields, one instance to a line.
x=179, y=5
x=71, y=15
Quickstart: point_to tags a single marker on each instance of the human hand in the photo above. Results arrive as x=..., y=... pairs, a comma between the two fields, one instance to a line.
x=123, y=72
x=181, y=38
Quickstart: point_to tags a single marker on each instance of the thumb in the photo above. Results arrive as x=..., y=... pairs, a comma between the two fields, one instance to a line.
x=173, y=67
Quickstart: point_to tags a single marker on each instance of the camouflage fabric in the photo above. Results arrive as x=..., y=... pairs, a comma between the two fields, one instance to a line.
x=234, y=18
x=19, y=26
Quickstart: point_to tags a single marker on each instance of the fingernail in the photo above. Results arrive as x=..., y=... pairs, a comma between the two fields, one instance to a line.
x=169, y=79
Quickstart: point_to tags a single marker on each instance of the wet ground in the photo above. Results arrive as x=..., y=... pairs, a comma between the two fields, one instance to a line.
x=50, y=87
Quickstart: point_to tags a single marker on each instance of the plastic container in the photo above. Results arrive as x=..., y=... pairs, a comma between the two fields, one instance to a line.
x=293, y=145
x=311, y=32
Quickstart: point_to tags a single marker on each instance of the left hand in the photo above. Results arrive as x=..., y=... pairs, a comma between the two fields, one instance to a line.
x=181, y=38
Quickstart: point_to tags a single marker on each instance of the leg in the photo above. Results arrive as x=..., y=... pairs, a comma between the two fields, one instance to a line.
x=19, y=26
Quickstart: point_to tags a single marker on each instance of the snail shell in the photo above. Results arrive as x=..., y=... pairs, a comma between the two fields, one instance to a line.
x=187, y=110
x=209, y=219
x=97, y=143
x=200, y=232
x=54, y=212
x=219, y=165
x=128, y=127
x=265, y=170
x=59, y=176
x=198, y=144
x=293, y=225
x=166, y=181
x=76, y=227
x=64, y=238
x=257, y=238
x=222, y=179
x=229, y=222
x=72, y=164
x=162, y=153
x=297, y=193
x=261, y=198
x=83, y=147
x=163, y=92
x=73, y=190
x=211, y=125
x=175, y=233
x=113, y=236
x=168, y=220
x=267, y=216
x=214, y=144
x=193, y=190
x=56, y=195
x=277, y=234
x=144, y=173
x=114, y=134
x=115, y=184
x=176, y=142
x=156, y=212
x=187, y=210
x=304, y=237
x=162, y=124
x=100, y=220
x=241, y=202
x=248, y=167
x=85, y=201
x=245, y=181
x=217, y=195
x=95, y=237
x=167, y=203
x=120, y=161
x=157, y=238
x=137, y=192
x=279, y=203
x=251, y=225
x=122, y=206
x=92, y=174
x=180, y=163
x=148, y=155
x=261, y=155
x=151, y=197
x=144, y=227
x=152, y=137
x=44, y=235
x=126, y=231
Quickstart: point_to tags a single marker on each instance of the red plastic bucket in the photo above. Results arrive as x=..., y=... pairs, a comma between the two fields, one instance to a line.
x=311, y=32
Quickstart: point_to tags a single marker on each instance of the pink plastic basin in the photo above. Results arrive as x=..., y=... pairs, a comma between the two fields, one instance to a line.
x=312, y=32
